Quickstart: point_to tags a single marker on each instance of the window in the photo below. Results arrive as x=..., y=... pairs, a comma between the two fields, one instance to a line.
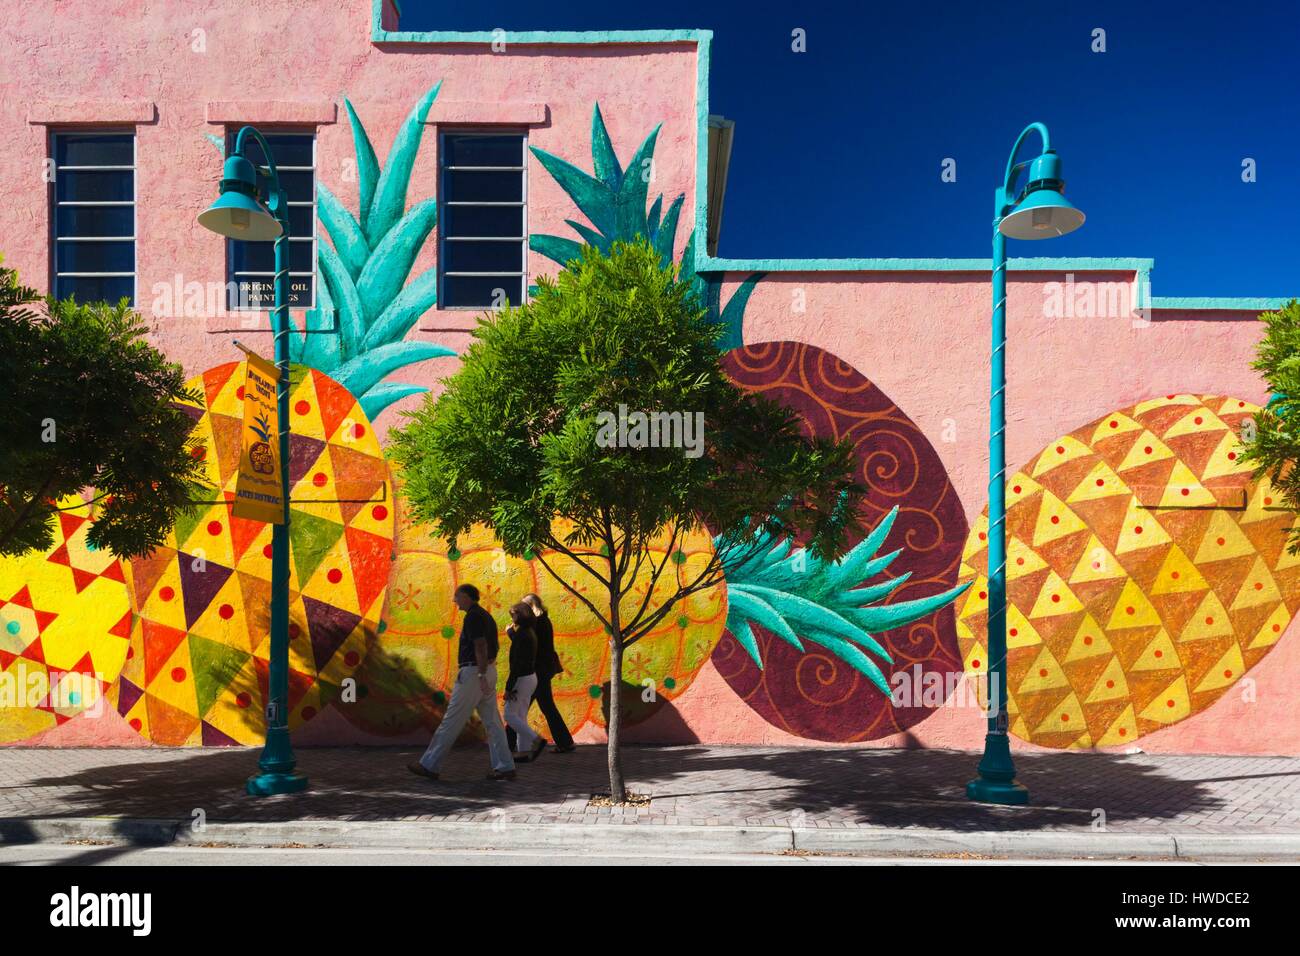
x=483, y=226
x=94, y=216
x=250, y=266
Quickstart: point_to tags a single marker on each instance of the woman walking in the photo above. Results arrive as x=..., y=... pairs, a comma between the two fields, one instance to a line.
x=548, y=666
x=521, y=683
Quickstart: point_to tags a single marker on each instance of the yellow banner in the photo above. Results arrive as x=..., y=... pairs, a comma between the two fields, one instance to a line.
x=259, y=495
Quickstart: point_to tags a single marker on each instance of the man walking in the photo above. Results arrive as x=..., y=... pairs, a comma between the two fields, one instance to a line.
x=476, y=689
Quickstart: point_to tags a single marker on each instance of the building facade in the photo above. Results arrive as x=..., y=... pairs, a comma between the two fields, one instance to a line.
x=432, y=176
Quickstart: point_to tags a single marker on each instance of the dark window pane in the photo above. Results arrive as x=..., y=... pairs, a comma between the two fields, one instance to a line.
x=103, y=186
x=298, y=185
x=95, y=290
x=482, y=291
x=260, y=256
x=95, y=221
x=259, y=293
x=290, y=149
x=470, y=150
x=95, y=257
x=90, y=149
x=482, y=256
x=483, y=221
x=484, y=187
x=300, y=222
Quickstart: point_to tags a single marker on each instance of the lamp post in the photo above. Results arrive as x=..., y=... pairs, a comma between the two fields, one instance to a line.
x=241, y=213
x=1038, y=211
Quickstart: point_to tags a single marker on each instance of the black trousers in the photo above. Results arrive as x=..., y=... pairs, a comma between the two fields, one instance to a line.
x=546, y=704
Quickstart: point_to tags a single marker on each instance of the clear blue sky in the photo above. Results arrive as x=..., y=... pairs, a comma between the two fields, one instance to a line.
x=838, y=150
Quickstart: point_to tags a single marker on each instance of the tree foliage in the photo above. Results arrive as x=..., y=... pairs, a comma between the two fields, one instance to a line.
x=1274, y=447
x=512, y=442
x=89, y=403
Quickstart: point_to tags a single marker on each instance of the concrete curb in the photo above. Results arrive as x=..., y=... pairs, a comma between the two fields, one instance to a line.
x=633, y=838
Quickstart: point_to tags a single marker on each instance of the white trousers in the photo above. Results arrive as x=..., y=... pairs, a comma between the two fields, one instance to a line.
x=466, y=698
x=517, y=713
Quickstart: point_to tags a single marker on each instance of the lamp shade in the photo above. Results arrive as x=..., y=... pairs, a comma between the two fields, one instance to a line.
x=1042, y=214
x=236, y=215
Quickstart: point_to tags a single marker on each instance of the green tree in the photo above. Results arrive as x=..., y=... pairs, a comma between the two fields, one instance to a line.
x=1273, y=443
x=89, y=403
x=520, y=437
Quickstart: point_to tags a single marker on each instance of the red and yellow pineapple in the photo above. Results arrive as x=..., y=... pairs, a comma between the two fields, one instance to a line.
x=1146, y=573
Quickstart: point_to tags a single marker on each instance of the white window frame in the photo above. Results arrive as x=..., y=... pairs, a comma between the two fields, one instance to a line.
x=231, y=275
x=56, y=203
x=443, y=203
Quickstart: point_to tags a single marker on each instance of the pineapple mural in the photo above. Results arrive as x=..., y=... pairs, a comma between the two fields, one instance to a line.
x=779, y=593
x=1147, y=572
x=64, y=625
x=405, y=684
x=197, y=667
x=197, y=673
x=805, y=691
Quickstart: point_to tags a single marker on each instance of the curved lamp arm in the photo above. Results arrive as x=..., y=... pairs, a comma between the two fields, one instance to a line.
x=274, y=202
x=1014, y=169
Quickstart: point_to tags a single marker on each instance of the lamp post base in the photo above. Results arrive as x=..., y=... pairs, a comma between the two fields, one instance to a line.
x=996, y=782
x=270, y=784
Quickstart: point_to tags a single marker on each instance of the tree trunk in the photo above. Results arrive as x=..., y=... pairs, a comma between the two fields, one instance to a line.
x=617, y=790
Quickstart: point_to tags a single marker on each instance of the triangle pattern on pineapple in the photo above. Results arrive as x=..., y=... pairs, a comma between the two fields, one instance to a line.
x=222, y=619
x=201, y=581
x=1114, y=425
x=977, y=539
x=1225, y=672
x=335, y=402
x=1096, y=564
x=1043, y=674
x=1020, y=633
x=1111, y=685
x=1226, y=458
x=1133, y=609
x=1198, y=421
x=311, y=539
x=304, y=452
x=1163, y=402
x=1158, y=655
x=1178, y=575
x=975, y=602
x=1209, y=620
x=1145, y=450
x=977, y=659
x=1171, y=705
x=228, y=444
x=174, y=683
x=1022, y=559
x=1272, y=629
x=1184, y=490
x=1065, y=717
x=1122, y=730
x=1258, y=588
x=1062, y=451
x=1101, y=482
x=1222, y=540
x=1055, y=520
x=369, y=556
x=168, y=725
x=1090, y=641
x=237, y=711
x=1263, y=503
x=1055, y=598
x=1140, y=530
x=215, y=666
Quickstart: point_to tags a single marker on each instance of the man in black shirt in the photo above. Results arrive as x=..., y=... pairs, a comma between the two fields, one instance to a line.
x=476, y=684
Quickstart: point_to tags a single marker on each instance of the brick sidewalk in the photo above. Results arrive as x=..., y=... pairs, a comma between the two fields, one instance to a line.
x=689, y=785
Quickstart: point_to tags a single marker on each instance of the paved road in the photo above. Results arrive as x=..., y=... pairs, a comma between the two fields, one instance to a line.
x=46, y=855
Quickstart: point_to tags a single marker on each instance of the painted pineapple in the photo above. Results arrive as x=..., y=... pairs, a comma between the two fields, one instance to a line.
x=1146, y=574
x=805, y=691
x=199, y=671
x=65, y=620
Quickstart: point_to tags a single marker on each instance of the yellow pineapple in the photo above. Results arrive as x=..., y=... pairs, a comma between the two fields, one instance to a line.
x=1146, y=573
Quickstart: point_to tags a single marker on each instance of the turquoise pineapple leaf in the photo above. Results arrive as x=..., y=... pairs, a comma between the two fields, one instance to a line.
x=603, y=160
x=796, y=595
x=367, y=163
x=389, y=203
x=384, y=275
x=344, y=231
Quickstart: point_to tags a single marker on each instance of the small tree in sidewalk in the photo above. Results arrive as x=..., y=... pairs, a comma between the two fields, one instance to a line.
x=536, y=436
x=89, y=403
x=1273, y=442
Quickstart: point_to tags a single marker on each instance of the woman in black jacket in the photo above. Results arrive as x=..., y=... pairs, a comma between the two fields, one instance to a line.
x=521, y=683
x=548, y=666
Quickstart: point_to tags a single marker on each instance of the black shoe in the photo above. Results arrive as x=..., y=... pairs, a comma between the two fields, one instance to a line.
x=418, y=769
x=567, y=749
x=538, y=749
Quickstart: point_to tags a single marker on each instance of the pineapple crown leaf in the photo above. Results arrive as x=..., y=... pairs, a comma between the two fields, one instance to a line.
x=384, y=394
x=349, y=313
x=603, y=159
x=402, y=313
x=367, y=163
x=360, y=374
x=794, y=594
x=389, y=265
x=389, y=201
x=347, y=235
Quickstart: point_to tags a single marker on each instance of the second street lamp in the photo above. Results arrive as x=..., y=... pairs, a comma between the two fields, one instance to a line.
x=240, y=212
x=1038, y=211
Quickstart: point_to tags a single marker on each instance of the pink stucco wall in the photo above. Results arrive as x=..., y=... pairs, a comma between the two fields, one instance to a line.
x=178, y=71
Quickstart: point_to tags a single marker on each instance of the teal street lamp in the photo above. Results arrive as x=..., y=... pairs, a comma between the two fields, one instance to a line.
x=1036, y=211
x=240, y=212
